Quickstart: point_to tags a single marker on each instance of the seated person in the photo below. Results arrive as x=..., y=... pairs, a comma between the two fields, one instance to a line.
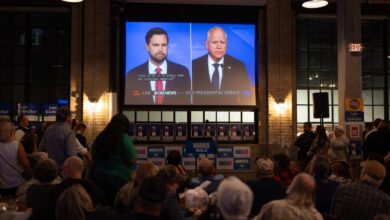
x=45, y=173
x=207, y=173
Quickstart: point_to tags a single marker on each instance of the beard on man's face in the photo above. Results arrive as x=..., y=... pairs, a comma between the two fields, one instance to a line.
x=158, y=58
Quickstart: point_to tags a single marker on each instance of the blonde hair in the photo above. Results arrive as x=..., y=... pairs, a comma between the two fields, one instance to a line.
x=145, y=170
x=302, y=190
x=7, y=131
x=73, y=203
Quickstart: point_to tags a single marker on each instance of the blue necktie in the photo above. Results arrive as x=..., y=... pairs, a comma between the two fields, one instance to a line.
x=215, y=78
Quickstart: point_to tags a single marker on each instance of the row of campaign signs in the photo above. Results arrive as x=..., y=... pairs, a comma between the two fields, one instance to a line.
x=223, y=158
x=168, y=132
x=34, y=112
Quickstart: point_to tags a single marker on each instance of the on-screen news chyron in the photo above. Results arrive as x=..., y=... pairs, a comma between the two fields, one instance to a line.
x=187, y=65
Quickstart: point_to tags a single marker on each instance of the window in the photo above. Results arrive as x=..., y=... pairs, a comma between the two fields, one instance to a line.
x=34, y=57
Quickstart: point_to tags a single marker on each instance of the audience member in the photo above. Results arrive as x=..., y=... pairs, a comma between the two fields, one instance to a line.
x=171, y=208
x=362, y=200
x=340, y=173
x=113, y=156
x=125, y=198
x=13, y=160
x=59, y=140
x=325, y=188
x=75, y=203
x=283, y=170
x=320, y=144
x=303, y=144
x=207, y=173
x=24, y=134
x=175, y=159
x=378, y=141
x=45, y=173
x=80, y=128
x=299, y=203
x=368, y=127
x=376, y=123
x=266, y=188
x=339, y=146
x=234, y=199
x=150, y=199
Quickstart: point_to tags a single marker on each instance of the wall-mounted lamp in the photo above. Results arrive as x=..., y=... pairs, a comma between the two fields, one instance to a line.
x=93, y=103
x=314, y=4
x=280, y=106
x=72, y=1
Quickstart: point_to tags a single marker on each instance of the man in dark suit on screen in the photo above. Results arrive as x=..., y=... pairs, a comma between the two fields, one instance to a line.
x=158, y=81
x=218, y=78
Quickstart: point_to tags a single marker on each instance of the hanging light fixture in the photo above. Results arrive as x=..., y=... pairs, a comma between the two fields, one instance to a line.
x=315, y=4
x=72, y=1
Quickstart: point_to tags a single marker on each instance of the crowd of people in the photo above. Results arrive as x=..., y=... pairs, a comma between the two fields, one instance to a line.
x=58, y=177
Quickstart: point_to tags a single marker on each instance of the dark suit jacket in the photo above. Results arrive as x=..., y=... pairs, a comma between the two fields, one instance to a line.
x=234, y=78
x=135, y=87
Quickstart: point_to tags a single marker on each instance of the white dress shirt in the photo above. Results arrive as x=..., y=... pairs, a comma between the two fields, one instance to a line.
x=212, y=68
x=152, y=70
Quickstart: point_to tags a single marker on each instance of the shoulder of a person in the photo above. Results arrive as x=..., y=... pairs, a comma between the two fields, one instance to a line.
x=136, y=70
x=176, y=65
x=231, y=60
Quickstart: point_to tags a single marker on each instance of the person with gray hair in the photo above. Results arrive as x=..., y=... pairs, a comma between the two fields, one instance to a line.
x=218, y=72
x=299, y=203
x=234, y=199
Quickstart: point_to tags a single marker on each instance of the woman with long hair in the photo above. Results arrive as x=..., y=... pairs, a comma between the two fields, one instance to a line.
x=113, y=156
x=13, y=160
x=320, y=144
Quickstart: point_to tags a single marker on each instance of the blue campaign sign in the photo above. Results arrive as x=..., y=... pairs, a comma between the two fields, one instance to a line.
x=156, y=152
x=242, y=164
x=29, y=109
x=5, y=109
x=197, y=147
x=50, y=109
x=354, y=116
x=225, y=152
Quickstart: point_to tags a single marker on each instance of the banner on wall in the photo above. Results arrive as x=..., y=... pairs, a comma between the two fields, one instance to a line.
x=225, y=163
x=141, y=132
x=242, y=163
x=30, y=111
x=222, y=132
x=235, y=132
x=167, y=132
x=248, y=132
x=142, y=151
x=5, y=110
x=242, y=152
x=181, y=132
x=49, y=112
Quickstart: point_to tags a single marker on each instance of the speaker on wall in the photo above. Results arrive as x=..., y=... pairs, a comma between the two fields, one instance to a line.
x=321, y=105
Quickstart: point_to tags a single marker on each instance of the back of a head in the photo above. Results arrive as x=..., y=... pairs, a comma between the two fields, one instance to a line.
x=174, y=158
x=73, y=203
x=373, y=172
x=377, y=121
x=144, y=171
x=120, y=122
x=63, y=114
x=152, y=193
x=45, y=171
x=321, y=169
x=301, y=192
x=7, y=130
x=282, y=160
x=168, y=174
x=72, y=167
x=265, y=167
x=205, y=166
x=234, y=199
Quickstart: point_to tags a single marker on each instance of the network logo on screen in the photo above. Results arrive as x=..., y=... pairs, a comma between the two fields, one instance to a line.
x=189, y=64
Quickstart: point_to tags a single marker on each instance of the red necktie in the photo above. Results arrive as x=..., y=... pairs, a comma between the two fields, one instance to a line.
x=159, y=87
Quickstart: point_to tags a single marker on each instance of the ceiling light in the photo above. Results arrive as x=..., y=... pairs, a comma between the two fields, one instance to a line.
x=315, y=4
x=72, y=1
